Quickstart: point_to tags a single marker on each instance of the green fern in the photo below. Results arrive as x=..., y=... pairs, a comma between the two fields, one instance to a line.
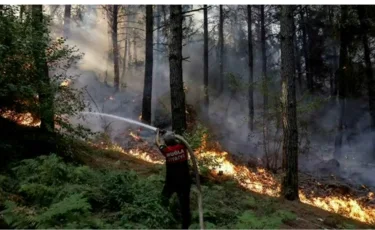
x=70, y=209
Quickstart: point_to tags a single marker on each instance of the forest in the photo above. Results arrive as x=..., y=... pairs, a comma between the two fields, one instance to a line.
x=277, y=103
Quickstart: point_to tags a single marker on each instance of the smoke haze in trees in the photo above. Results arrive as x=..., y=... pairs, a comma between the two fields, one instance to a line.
x=228, y=111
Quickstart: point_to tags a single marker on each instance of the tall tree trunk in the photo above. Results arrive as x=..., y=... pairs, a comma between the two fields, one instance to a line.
x=251, y=68
x=126, y=50
x=289, y=104
x=310, y=43
x=205, y=60
x=158, y=56
x=297, y=58
x=45, y=91
x=342, y=80
x=333, y=78
x=363, y=15
x=221, y=49
x=67, y=17
x=265, y=83
x=175, y=70
x=147, y=88
x=135, y=46
x=115, y=48
x=306, y=52
x=22, y=11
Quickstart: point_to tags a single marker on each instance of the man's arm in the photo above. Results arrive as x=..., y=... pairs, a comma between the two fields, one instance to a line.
x=161, y=146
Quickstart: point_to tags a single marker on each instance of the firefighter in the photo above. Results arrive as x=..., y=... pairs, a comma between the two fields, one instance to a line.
x=177, y=173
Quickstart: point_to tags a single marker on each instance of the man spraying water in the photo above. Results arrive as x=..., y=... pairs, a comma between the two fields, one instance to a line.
x=174, y=147
x=177, y=173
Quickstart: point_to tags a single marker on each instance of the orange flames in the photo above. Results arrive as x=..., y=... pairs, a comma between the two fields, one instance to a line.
x=21, y=118
x=65, y=83
x=137, y=138
x=345, y=206
x=263, y=182
x=258, y=180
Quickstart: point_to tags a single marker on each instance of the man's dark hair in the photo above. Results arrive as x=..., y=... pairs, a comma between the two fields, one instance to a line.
x=170, y=140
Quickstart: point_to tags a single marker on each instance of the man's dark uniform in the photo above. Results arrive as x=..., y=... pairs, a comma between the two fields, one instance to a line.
x=177, y=176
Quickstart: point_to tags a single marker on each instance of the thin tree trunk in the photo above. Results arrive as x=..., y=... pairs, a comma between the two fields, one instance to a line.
x=67, y=17
x=363, y=15
x=22, y=11
x=310, y=48
x=175, y=70
x=45, y=92
x=297, y=59
x=126, y=34
x=205, y=57
x=158, y=56
x=135, y=46
x=251, y=68
x=306, y=53
x=265, y=84
x=115, y=48
x=333, y=66
x=147, y=89
x=289, y=107
x=221, y=49
x=342, y=81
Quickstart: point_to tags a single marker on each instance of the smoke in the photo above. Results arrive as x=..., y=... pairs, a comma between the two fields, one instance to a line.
x=228, y=112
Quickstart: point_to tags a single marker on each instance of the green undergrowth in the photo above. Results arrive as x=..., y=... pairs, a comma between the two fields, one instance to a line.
x=47, y=192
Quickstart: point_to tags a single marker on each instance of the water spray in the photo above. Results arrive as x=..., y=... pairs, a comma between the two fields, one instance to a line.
x=123, y=119
x=173, y=135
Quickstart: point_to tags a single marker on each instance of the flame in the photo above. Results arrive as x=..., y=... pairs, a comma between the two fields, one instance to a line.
x=21, y=118
x=261, y=181
x=345, y=206
x=137, y=138
x=65, y=83
x=137, y=153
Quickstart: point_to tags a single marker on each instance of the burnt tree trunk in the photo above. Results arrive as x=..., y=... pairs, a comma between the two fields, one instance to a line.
x=147, y=88
x=342, y=80
x=175, y=70
x=115, y=48
x=362, y=14
x=221, y=49
x=205, y=60
x=45, y=91
x=265, y=83
x=289, y=107
x=309, y=79
x=251, y=68
x=67, y=16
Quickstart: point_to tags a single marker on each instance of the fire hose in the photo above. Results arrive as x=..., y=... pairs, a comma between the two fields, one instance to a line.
x=195, y=169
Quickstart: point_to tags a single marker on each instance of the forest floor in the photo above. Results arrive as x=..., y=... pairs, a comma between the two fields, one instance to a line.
x=306, y=216
x=88, y=186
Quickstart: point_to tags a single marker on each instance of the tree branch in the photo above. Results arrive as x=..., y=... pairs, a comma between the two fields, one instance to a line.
x=199, y=9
